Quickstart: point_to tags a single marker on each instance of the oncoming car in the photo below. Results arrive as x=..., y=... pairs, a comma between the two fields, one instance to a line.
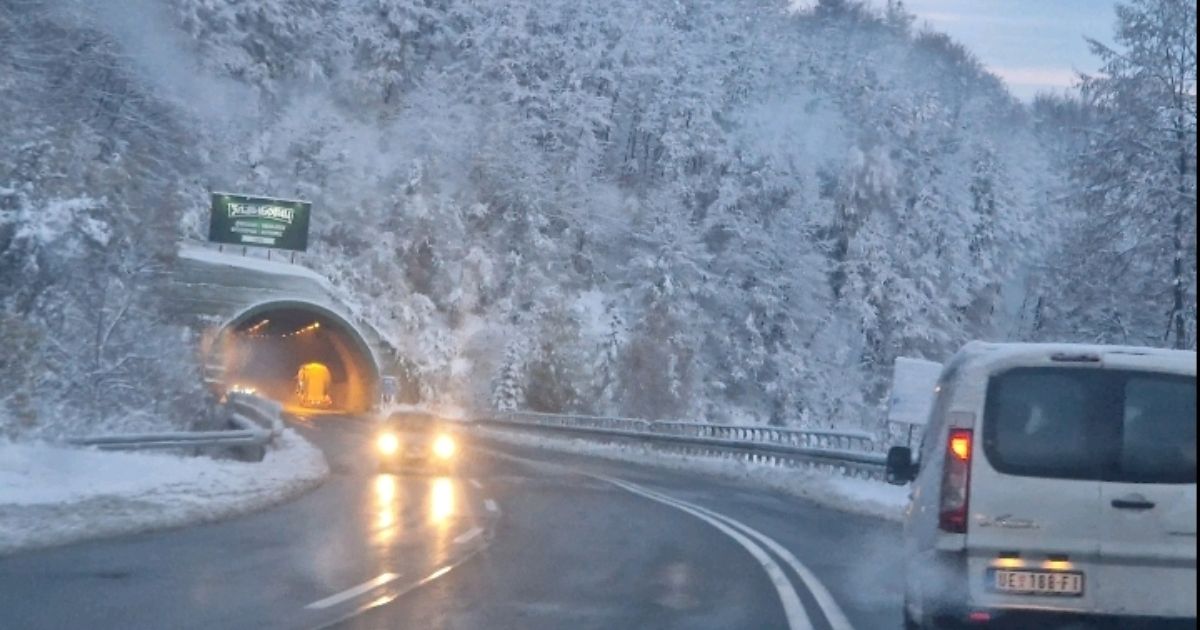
x=415, y=440
x=1054, y=482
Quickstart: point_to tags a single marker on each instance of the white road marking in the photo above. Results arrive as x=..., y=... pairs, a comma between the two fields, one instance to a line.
x=833, y=612
x=475, y=482
x=469, y=535
x=351, y=593
x=793, y=609
x=398, y=592
x=491, y=505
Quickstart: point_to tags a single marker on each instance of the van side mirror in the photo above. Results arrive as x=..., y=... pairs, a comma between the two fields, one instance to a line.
x=900, y=466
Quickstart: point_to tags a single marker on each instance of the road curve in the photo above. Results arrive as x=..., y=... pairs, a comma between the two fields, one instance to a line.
x=516, y=538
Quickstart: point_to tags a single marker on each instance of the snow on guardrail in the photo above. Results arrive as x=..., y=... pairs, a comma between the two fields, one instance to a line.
x=852, y=453
x=255, y=423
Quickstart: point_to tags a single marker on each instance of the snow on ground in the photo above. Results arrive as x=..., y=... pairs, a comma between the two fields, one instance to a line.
x=201, y=253
x=860, y=496
x=51, y=494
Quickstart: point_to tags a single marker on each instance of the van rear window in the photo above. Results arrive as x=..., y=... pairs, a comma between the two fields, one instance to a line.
x=1092, y=424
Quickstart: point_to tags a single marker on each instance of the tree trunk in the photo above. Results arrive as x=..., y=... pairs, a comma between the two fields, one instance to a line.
x=1177, y=240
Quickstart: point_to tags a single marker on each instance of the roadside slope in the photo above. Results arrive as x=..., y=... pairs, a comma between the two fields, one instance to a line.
x=52, y=495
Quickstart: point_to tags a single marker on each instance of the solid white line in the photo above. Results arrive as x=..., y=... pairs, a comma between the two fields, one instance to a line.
x=833, y=612
x=491, y=505
x=470, y=534
x=351, y=593
x=797, y=618
x=475, y=482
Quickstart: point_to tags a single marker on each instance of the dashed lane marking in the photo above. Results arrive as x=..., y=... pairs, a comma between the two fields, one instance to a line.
x=351, y=593
x=468, y=536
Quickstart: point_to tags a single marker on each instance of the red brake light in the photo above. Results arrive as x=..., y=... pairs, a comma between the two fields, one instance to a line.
x=979, y=616
x=956, y=478
x=960, y=444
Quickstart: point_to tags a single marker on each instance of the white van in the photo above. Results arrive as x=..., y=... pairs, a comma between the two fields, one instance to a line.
x=1054, y=481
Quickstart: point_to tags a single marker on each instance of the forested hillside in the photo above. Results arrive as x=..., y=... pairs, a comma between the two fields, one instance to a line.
x=93, y=171
x=732, y=211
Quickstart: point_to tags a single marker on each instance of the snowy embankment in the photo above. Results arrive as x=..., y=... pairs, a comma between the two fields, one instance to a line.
x=52, y=495
x=860, y=496
x=204, y=253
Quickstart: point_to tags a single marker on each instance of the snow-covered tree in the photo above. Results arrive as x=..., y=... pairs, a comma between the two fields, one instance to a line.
x=1127, y=272
x=508, y=393
x=770, y=203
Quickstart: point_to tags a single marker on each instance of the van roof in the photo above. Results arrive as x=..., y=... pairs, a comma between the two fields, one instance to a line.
x=989, y=354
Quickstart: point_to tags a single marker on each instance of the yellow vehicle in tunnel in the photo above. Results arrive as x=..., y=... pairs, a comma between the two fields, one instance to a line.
x=312, y=385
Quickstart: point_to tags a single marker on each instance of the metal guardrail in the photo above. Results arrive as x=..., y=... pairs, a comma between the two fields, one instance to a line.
x=854, y=453
x=251, y=410
x=254, y=423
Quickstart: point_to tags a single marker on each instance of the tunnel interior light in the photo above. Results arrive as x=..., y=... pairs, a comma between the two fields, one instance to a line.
x=253, y=330
x=256, y=331
x=300, y=331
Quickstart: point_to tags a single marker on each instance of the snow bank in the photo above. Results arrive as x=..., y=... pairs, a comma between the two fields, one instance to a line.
x=200, y=253
x=860, y=496
x=52, y=495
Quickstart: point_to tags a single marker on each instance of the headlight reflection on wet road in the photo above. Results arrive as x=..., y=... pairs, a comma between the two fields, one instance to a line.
x=441, y=506
x=387, y=508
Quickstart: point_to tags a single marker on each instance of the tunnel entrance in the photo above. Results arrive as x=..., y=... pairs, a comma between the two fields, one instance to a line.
x=300, y=354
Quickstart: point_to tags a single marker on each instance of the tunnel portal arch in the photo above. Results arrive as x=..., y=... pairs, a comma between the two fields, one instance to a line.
x=265, y=345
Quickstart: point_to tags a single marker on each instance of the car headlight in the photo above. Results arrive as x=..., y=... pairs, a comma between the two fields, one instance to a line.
x=443, y=446
x=387, y=443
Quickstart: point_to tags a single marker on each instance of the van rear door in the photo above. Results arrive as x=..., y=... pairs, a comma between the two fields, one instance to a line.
x=1034, y=537
x=1148, y=500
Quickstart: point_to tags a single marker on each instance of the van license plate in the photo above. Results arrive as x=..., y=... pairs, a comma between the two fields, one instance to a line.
x=1064, y=583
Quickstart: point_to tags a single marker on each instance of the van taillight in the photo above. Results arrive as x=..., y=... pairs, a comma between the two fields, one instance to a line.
x=956, y=482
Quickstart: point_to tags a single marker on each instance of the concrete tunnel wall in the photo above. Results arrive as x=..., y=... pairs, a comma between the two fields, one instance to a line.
x=356, y=364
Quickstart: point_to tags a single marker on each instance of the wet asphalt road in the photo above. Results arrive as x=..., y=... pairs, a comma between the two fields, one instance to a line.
x=514, y=538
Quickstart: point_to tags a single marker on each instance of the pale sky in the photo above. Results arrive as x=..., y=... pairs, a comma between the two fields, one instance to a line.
x=1034, y=45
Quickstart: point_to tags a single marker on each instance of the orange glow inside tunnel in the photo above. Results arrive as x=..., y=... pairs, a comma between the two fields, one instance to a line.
x=312, y=385
x=303, y=358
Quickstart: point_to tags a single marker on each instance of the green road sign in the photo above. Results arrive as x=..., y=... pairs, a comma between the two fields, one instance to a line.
x=259, y=221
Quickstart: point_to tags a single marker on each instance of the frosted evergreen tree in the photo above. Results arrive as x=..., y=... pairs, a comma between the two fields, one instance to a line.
x=1128, y=273
x=508, y=392
x=606, y=368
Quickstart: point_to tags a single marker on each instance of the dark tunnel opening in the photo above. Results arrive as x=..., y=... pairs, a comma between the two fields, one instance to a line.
x=301, y=355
